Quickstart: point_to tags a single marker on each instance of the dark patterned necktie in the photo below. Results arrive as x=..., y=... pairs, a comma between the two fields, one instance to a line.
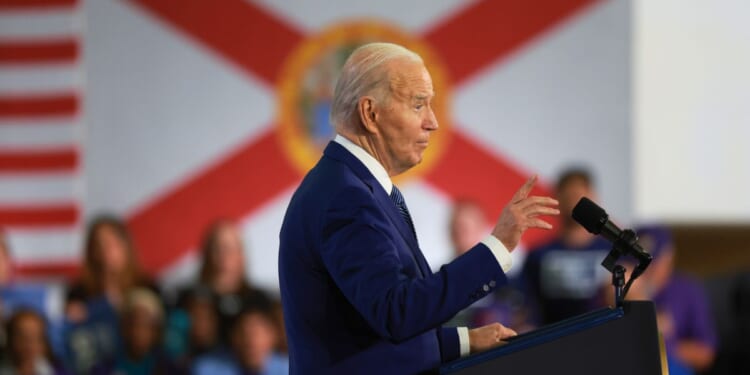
x=398, y=199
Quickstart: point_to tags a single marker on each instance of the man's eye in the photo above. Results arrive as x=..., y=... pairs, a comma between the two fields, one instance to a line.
x=418, y=106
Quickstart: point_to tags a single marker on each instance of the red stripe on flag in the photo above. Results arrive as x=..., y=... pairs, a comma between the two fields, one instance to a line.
x=238, y=30
x=41, y=216
x=41, y=160
x=65, y=104
x=67, y=270
x=38, y=51
x=234, y=187
x=468, y=171
x=510, y=23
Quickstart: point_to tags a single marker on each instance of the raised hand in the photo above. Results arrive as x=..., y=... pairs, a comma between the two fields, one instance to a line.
x=522, y=213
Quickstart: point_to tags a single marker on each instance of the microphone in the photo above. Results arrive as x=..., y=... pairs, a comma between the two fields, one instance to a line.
x=596, y=221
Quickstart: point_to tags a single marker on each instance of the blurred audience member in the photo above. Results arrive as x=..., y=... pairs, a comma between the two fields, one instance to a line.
x=223, y=272
x=110, y=272
x=29, y=351
x=253, y=338
x=110, y=269
x=683, y=314
x=468, y=226
x=193, y=325
x=5, y=272
x=564, y=278
x=141, y=328
x=6, y=267
x=16, y=294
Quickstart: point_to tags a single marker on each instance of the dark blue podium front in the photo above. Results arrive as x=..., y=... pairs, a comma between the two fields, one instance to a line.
x=609, y=341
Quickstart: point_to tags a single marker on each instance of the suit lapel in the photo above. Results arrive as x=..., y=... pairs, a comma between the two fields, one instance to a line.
x=338, y=152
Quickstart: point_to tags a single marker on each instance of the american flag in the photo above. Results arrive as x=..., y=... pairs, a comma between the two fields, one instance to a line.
x=41, y=132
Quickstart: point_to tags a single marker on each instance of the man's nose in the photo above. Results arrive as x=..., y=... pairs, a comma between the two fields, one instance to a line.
x=431, y=122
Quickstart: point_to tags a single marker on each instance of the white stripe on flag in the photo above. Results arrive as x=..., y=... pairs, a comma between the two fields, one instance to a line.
x=40, y=79
x=42, y=24
x=39, y=189
x=47, y=134
x=46, y=246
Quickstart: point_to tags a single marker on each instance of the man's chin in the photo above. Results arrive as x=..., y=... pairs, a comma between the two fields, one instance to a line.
x=416, y=161
x=419, y=158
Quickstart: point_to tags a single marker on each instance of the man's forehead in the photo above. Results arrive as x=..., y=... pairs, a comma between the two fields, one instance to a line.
x=412, y=80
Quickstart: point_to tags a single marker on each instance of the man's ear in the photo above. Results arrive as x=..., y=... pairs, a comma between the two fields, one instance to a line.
x=367, y=114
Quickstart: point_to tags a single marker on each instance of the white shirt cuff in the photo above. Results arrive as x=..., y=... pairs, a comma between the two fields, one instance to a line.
x=499, y=251
x=463, y=341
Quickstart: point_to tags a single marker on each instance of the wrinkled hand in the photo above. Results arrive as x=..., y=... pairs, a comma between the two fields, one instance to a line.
x=488, y=337
x=523, y=213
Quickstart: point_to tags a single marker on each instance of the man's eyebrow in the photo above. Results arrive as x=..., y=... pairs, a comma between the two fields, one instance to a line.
x=423, y=96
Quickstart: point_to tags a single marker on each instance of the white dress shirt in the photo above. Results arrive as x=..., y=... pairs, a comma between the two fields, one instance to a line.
x=496, y=247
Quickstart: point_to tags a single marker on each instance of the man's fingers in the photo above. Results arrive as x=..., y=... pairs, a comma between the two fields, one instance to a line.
x=540, y=210
x=524, y=191
x=507, y=332
x=539, y=223
x=532, y=202
x=536, y=200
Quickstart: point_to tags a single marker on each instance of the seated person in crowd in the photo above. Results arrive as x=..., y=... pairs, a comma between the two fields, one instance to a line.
x=223, y=273
x=683, y=314
x=28, y=351
x=469, y=225
x=109, y=273
x=564, y=278
x=193, y=325
x=18, y=294
x=6, y=266
x=253, y=341
x=142, y=322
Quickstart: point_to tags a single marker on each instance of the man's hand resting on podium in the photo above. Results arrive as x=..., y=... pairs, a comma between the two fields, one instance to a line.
x=522, y=213
x=488, y=337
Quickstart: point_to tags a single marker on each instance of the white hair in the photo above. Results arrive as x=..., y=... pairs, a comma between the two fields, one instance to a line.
x=363, y=74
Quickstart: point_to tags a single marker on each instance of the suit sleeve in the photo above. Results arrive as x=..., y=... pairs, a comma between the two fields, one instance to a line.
x=363, y=261
x=449, y=343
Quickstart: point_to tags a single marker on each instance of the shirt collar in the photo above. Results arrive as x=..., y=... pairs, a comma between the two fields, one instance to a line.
x=369, y=161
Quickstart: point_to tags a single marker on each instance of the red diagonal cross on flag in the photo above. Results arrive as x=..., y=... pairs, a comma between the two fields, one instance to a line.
x=257, y=42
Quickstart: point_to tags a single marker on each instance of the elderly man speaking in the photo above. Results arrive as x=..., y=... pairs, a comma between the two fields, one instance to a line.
x=358, y=295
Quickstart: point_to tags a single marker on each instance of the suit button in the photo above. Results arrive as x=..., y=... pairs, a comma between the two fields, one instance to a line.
x=486, y=288
x=492, y=283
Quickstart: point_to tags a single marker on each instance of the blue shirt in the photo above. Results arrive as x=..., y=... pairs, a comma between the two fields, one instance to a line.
x=223, y=363
x=560, y=281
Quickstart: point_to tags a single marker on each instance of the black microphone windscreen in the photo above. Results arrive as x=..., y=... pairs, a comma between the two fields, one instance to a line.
x=590, y=215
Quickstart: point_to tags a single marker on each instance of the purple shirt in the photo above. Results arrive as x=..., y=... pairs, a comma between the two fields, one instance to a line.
x=686, y=302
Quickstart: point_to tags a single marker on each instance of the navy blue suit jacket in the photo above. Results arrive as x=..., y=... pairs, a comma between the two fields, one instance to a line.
x=357, y=293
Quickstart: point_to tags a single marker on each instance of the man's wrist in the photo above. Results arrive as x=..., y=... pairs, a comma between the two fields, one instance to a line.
x=464, y=341
x=501, y=253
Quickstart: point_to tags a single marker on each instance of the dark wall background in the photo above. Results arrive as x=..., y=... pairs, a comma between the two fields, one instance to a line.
x=712, y=250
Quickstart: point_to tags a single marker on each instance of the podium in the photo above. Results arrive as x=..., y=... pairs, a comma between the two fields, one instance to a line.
x=609, y=341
